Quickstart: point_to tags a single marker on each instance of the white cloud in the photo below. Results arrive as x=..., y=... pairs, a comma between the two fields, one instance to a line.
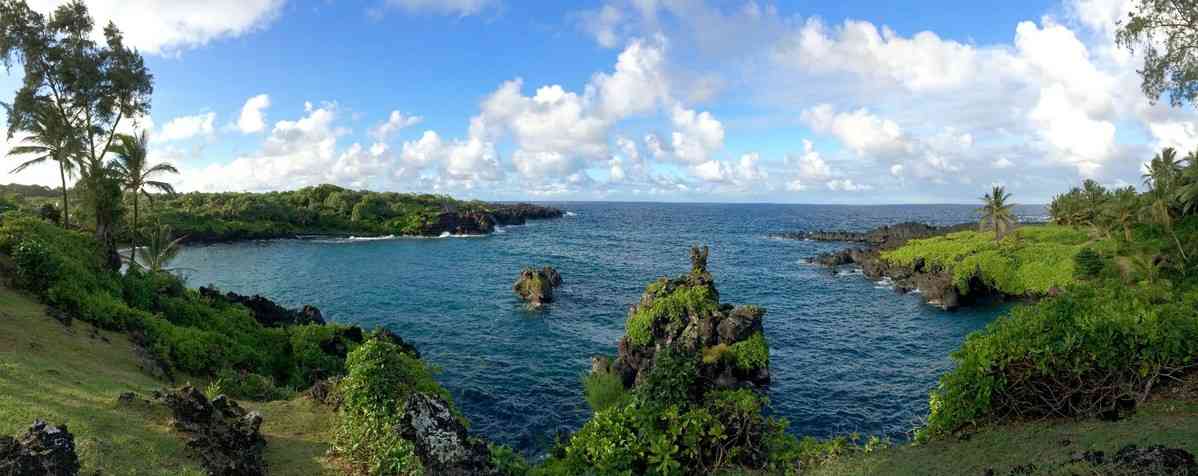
x=1003, y=163
x=252, y=118
x=847, y=185
x=697, y=135
x=394, y=123
x=860, y=131
x=448, y=7
x=187, y=127
x=169, y=26
x=811, y=164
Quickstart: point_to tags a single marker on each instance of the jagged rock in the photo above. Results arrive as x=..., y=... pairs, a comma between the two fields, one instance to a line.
x=441, y=441
x=1156, y=460
x=43, y=450
x=520, y=213
x=536, y=286
x=885, y=237
x=267, y=312
x=710, y=330
x=225, y=436
x=325, y=392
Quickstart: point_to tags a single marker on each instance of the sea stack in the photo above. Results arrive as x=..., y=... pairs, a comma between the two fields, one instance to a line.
x=535, y=286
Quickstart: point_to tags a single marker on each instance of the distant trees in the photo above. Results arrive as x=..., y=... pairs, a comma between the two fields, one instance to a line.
x=1166, y=32
x=996, y=213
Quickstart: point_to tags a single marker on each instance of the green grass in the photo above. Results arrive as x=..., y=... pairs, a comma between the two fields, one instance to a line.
x=73, y=376
x=1169, y=422
x=1030, y=261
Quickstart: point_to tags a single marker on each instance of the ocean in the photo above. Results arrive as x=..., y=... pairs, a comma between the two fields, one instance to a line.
x=846, y=354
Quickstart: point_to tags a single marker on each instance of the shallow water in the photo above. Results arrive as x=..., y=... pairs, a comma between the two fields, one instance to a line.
x=846, y=354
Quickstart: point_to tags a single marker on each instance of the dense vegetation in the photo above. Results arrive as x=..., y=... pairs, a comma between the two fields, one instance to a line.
x=1124, y=323
x=1031, y=261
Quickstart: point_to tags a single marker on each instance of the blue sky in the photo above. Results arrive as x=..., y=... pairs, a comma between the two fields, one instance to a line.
x=677, y=100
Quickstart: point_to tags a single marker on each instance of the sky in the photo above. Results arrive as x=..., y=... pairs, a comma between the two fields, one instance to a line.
x=647, y=100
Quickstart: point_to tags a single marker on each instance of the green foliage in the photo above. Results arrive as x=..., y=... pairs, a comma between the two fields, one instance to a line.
x=379, y=378
x=603, y=390
x=507, y=461
x=1164, y=33
x=1087, y=263
x=36, y=266
x=250, y=386
x=751, y=353
x=1078, y=354
x=674, y=305
x=673, y=379
x=1031, y=261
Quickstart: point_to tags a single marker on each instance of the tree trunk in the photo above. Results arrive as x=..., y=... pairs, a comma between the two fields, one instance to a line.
x=66, y=209
x=133, y=235
x=1180, y=249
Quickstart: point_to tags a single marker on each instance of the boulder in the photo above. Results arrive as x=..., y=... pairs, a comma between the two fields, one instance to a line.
x=1155, y=460
x=225, y=436
x=441, y=441
x=536, y=286
x=43, y=450
x=267, y=312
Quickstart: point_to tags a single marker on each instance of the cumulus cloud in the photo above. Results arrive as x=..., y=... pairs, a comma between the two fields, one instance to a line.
x=252, y=118
x=169, y=26
x=394, y=123
x=697, y=135
x=860, y=131
x=847, y=185
x=187, y=127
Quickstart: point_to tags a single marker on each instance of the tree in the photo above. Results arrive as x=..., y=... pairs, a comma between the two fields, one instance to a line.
x=161, y=247
x=996, y=212
x=1158, y=208
x=1163, y=171
x=135, y=175
x=1187, y=190
x=1122, y=208
x=1167, y=34
x=92, y=88
x=49, y=140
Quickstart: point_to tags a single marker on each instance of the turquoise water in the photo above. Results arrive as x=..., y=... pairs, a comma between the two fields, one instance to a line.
x=847, y=355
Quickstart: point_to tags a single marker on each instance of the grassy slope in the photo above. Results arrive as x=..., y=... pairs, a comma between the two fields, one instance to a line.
x=73, y=376
x=1169, y=421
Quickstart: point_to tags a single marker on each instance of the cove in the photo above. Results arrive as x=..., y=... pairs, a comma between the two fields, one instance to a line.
x=847, y=354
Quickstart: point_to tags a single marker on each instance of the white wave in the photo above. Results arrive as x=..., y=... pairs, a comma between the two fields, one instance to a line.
x=371, y=238
x=884, y=283
x=849, y=272
x=571, y=214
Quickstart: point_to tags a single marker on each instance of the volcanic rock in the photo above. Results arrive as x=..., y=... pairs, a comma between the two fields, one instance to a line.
x=225, y=436
x=536, y=286
x=43, y=450
x=442, y=443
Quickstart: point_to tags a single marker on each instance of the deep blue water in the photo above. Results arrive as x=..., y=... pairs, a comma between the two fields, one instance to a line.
x=846, y=354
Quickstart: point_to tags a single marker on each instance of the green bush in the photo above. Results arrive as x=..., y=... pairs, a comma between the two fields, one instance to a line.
x=379, y=379
x=751, y=353
x=672, y=380
x=1087, y=264
x=674, y=306
x=1083, y=353
x=603, y=390
x=37, y=268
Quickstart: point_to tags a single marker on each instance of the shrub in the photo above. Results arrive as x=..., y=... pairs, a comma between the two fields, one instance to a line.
x=674, y=306
x=1087, y=264
x=673, y=379
x=751, y=353
x=603, y=390
x=37, y=268
x=1087, y=352
x=379, y=378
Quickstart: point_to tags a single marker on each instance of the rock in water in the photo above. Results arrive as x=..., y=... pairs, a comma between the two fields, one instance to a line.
x=442, y=443
x=684, y=314
x=43, y=450
x=226, y=436
x=536, y=286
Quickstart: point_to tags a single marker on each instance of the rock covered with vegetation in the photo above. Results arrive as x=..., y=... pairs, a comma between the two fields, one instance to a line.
x=885, y=237
x=226, y=437
x=440, y=439
x=265, y=311
x=685, y=313
x=682, y=395
x=43, y=450
x=536, y=286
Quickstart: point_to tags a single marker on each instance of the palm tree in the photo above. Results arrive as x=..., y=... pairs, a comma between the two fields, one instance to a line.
x=159, y=249
x=997, y=212
x=1163, y=170
x=1187, y=188
x=1121, y=210
x=136, y=178
x=1159, y=209
x=50, y=140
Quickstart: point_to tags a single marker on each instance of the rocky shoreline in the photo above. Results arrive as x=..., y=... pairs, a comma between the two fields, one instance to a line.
x=936, y=285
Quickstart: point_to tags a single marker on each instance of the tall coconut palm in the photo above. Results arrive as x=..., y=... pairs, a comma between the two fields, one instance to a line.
x=50, y=140
x=1163, y=171
x=1187, y=188
x=136, y=175
x=996, y=212
x=1158, y=208
x=1121, y=210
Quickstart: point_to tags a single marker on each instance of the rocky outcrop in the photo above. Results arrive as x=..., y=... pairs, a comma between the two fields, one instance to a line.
x=885, y=237
x=267, y=312
x=43, y=450
x=684, y=314
x=225, y=436
x=520, y=213
x=937, y=286
x=441, y=441
x=460, y=223
x=536, y=286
